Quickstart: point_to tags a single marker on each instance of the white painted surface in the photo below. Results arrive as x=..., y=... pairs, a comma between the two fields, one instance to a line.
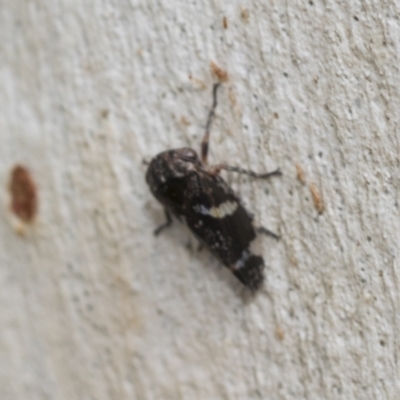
x=92, y=306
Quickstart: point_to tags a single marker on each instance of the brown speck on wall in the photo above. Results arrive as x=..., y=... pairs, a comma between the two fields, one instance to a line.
x=280, y=334
x=24, y=202
x=220, y=73
x=105, y=113
x=317, y=198
x=300, y=173
x=244, y=13
x=184, y=121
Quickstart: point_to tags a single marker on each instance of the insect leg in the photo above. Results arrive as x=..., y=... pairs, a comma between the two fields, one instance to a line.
x=165, y=224
x=206, y=138
x=216, y=169
x=266, y=231
x=253, y=174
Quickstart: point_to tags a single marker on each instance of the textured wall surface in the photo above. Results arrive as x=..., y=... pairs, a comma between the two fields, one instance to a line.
x=93, y=306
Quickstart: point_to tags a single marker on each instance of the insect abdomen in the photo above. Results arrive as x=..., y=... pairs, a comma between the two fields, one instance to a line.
x=251, y=272
x=216, y=216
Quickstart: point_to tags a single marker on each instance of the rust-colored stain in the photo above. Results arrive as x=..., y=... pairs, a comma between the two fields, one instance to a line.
x=317, y=198
x=220, y=73
x=225, y=22
x=24, y=202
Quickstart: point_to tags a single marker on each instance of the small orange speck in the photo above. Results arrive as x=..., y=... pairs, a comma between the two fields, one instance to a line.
x=317, y=198
x=300, y=173
x=220, y=73
x=280, y=334
x=244, y=13
x=184, y=121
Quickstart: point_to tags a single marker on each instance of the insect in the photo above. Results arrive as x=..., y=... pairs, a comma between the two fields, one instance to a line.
x=195, y=193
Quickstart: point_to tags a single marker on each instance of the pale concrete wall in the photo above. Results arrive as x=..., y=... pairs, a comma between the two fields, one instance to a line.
x=93, y=306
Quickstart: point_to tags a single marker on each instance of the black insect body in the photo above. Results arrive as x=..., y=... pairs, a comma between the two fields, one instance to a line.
x=196, y=194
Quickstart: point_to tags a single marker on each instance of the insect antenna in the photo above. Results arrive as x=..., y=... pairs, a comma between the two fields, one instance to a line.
x=206, y=138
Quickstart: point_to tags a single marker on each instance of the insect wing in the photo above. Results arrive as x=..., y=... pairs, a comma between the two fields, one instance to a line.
x=215, y=215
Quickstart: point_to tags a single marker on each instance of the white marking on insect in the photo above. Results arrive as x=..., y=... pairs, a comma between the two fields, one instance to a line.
x=242, y=260
x=221, y=211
